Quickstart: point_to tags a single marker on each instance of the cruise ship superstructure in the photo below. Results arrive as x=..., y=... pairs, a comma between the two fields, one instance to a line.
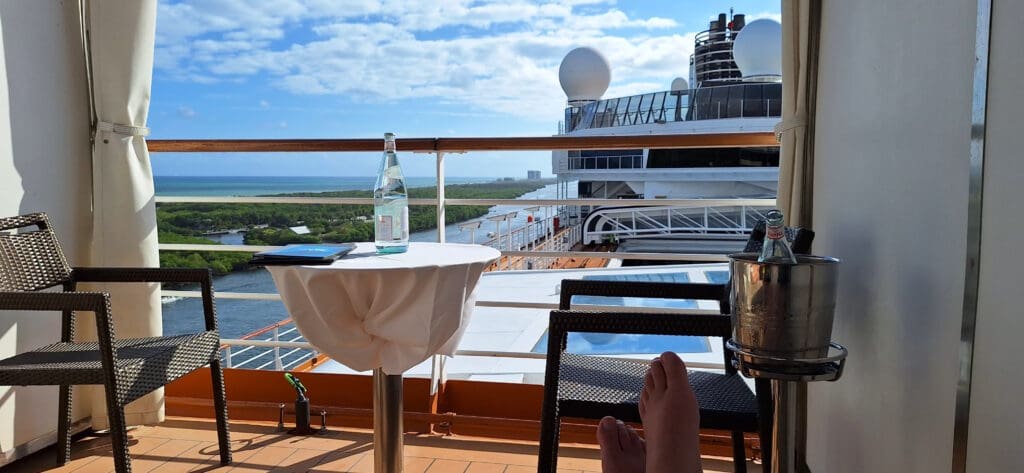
x=736, y=88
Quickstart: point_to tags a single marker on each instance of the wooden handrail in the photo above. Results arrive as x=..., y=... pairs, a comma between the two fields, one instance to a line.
x=455, y=145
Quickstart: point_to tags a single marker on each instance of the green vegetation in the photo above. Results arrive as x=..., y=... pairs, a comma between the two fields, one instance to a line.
x=267, y=224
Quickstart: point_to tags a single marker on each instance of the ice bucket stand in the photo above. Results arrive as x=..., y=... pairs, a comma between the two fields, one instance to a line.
x=782, y=328
x=786, y=376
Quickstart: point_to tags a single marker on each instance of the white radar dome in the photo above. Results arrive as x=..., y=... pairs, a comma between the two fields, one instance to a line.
x=679, y=85
x=758, y=49
x=584, y=75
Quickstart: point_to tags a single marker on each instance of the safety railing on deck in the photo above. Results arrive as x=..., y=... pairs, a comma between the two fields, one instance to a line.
x=523, y=245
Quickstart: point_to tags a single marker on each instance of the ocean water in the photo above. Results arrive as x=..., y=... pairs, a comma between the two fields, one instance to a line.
x=265, y=185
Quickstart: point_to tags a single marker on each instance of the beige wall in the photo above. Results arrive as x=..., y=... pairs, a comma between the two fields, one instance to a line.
x=44, y=166
x=997, y=419
x=890, y=200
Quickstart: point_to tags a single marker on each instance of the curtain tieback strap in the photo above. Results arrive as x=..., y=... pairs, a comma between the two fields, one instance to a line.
x=798, y=121
x=126, y=130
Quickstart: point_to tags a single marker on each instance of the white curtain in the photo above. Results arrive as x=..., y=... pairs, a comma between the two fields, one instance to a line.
x=121, y=34
x=800, y=26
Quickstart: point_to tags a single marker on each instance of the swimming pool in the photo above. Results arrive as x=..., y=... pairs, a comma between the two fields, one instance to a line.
x=622, y=344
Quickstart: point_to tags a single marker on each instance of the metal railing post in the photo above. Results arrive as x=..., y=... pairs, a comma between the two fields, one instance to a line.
x=440, y=197
x=277, y=350
x=227, y=356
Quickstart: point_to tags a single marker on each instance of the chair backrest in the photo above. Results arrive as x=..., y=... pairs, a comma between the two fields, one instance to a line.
x=30, y=259
x=799, y=238
x=660, y=290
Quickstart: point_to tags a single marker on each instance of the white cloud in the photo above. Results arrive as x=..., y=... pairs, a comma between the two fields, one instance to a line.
x=381, y=50
x=771, y=16
x=186, y=112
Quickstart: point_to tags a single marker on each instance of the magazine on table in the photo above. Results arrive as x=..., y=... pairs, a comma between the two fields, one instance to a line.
x=321, y=253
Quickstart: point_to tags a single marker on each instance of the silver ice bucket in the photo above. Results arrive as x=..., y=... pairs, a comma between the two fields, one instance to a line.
x=783, y=311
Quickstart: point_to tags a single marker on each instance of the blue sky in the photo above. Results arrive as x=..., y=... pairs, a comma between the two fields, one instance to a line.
x=420, y=68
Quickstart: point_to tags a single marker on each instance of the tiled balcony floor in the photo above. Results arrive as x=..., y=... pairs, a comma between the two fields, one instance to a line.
x=186, y=444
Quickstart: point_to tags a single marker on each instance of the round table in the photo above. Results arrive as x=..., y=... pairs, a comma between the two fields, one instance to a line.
x=388, y=313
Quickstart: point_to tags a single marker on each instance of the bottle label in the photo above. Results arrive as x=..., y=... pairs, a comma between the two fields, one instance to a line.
x=405, y=223
x=384, y=228
x=775, y=233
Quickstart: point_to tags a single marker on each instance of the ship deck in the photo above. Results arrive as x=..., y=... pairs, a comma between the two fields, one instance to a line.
x=190, y=444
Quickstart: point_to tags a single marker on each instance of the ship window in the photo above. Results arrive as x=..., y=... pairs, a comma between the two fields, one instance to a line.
x=735, y=107
x=719, y=99
x=773, y=99
x=645, y=108
x=753, y=104
x=713, y=157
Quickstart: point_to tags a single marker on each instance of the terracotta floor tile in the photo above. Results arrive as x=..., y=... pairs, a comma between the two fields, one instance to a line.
x=301, y=461
x=480, y=467
x=448, y=466
x=263, y=460
x=340, y=461
x=364, y=465
x=418, y=464
x=521, y=469
x=181, y=444
x=200, y=455
x=167, y=451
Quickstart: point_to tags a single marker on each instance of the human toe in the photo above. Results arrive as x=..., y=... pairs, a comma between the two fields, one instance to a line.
x=674, y=370
x=656, y=374
x=608, y=434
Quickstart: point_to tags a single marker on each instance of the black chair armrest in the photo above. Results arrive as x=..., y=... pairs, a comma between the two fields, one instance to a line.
x=141, y=275
x=177, y=275
x=96, y=302
x=53, y=301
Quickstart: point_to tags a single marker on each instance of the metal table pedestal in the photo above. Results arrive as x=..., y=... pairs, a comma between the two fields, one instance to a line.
x=387, y=422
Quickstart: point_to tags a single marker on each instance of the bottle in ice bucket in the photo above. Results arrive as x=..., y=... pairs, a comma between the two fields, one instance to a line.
x=390, y=203
x=775, y=248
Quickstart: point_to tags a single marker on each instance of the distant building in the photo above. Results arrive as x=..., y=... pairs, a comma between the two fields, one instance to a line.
x=533, y=175
x=508, y=179
x=300, y=230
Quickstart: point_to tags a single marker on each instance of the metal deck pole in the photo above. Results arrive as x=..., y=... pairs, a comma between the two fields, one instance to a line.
x=784, y=430
x=387, y=422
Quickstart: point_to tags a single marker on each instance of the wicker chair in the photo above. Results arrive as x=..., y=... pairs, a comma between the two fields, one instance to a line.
x=32, y=260
x=593, y=387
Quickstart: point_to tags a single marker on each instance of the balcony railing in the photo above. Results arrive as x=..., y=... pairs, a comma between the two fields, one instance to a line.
x=283, y=342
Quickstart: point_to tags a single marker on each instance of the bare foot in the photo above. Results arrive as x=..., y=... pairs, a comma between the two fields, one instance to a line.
x=668, y=408
x=622, y=449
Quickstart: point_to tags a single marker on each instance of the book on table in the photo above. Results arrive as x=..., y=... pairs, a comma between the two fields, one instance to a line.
x=302, y=254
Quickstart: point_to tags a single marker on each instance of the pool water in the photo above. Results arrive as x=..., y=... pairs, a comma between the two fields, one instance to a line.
x=621, y=344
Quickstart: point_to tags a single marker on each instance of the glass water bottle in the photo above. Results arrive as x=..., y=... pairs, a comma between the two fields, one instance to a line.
x=775, y=248
x=390, y=203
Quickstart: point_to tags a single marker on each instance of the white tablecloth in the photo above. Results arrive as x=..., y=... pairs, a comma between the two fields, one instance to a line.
x=390, y=311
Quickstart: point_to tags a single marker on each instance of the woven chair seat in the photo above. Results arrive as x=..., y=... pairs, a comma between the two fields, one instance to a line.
x=163, y=358
x=586, y=383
